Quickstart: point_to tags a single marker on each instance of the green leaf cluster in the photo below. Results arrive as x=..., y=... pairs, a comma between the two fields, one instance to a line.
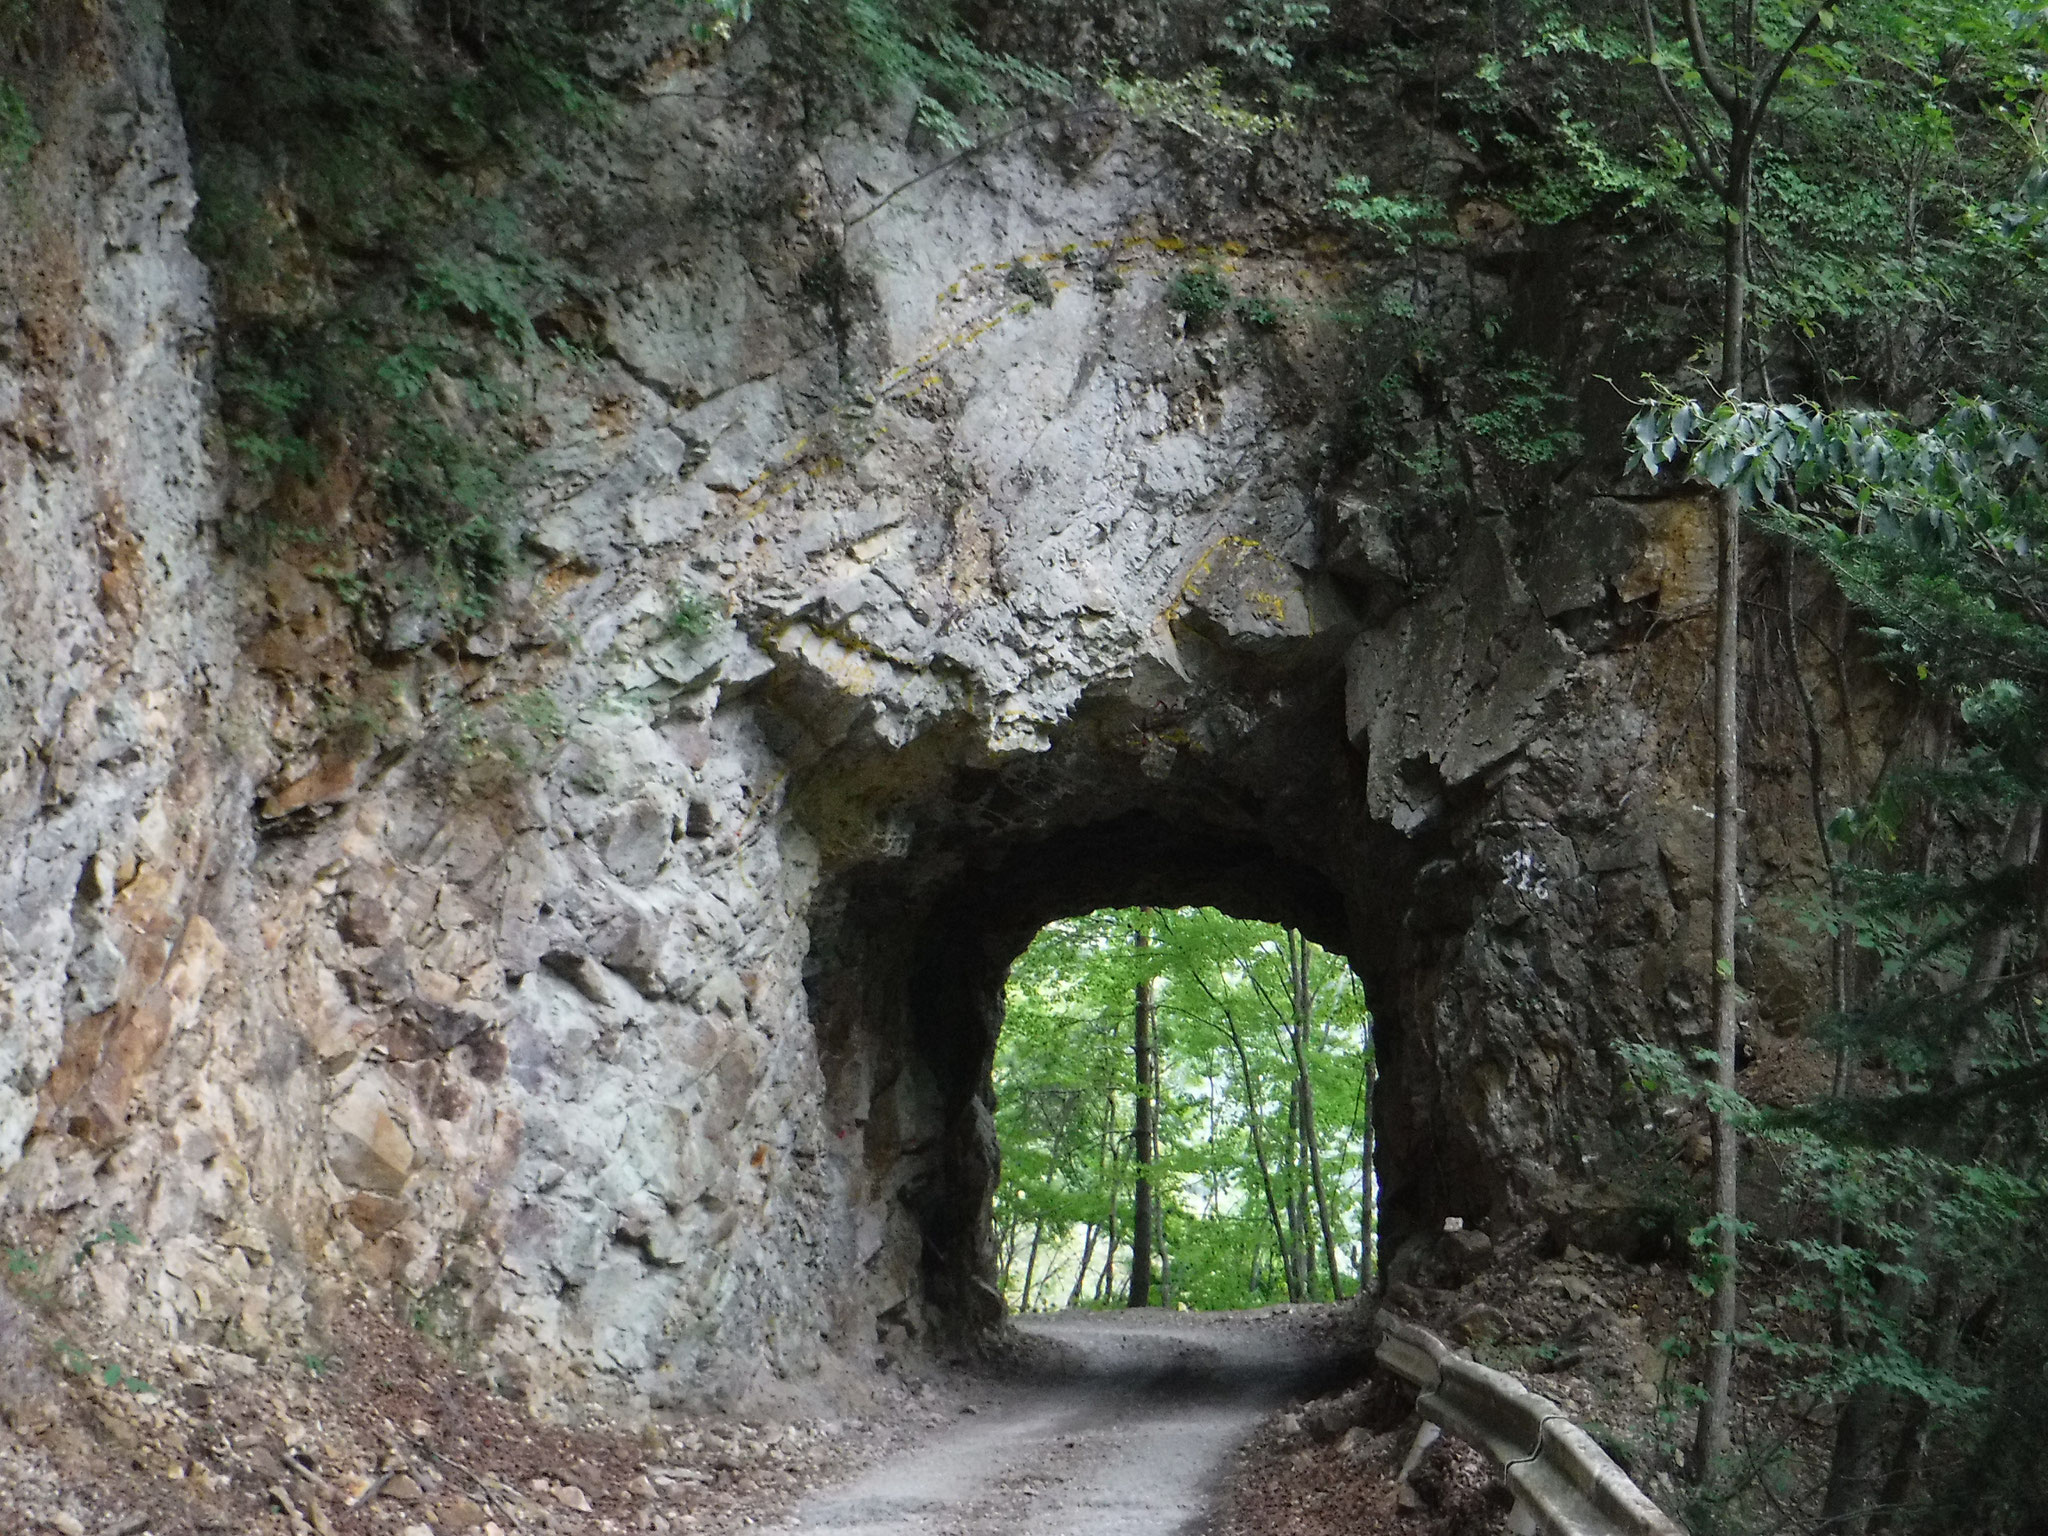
x=1399, y=220
x=1884, y=268
x=1199, y=103
x=872, y=51
x=374, y=276
x=18, y=132
x=1200, y=293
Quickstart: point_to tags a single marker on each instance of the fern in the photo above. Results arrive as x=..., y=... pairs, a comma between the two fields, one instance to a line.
x=1399, y=220
x=1200, y=293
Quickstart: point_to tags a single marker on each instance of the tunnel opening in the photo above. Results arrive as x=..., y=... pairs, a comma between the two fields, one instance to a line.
x=910, y=952
x=1182, y=1107
x=1248, y=782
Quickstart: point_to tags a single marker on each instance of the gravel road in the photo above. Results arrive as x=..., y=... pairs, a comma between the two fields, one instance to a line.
x=1108, y=1424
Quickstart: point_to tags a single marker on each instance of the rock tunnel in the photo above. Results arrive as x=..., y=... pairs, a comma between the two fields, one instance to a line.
x=624, y=994
x=1263, y=811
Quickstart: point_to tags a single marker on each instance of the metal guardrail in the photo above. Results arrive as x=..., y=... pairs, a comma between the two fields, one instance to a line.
x=1563, y=1483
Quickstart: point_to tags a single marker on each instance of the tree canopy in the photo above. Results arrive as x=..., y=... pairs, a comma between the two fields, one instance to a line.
x=1264, y=1053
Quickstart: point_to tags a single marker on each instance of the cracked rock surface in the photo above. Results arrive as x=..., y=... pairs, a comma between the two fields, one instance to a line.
x=614, y=986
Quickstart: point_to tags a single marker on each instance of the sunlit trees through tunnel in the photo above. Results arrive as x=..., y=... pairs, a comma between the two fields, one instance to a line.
x=1183, y=1104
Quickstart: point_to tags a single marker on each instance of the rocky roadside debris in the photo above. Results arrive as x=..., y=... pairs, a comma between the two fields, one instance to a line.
x=1587, y=1330
x=390, y=1437
x=1360, y=1463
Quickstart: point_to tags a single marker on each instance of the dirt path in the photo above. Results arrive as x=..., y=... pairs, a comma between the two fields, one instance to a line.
x=1109, y=1424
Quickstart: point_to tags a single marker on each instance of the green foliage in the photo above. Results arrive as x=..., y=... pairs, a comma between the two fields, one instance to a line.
x=1266, y=32
x=1198, y=104
x=1065, y=1102
x=369, y=298
x=32, y=1276
x=1200, y=293
x=18, y=133
x=876, y=50
x=79, y=1362
x=1021, y=277
x=1261, y=311
x=1261, y=38
x=1883, y=266
x=1925, y=1190
x=1399, y=221
x=119, y=1376
x=1526, y=419
x=691, y=615
x=377, y=286
x=538, y=711
x=119, y=1233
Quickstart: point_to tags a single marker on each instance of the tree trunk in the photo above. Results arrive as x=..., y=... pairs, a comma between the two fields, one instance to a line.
x=1304, y=1020
x=1712, y=1438
x=1159, y=1200
x=1902, y=1479
x=1743, y=100
x=1006, y=1245
x=1146, y=1148
x=1081, y=1271
x=1030, y=1267
x=1251, y=1118
x=1105, y=1288
x=1368, y=1258
x=1165, y=1258
x=1300, y=1275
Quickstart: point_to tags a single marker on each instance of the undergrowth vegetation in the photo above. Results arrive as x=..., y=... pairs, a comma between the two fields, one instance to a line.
x=374, y=274
x=19, y=134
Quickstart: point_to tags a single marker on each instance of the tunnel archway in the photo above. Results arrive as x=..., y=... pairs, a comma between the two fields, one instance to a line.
x=911, y=947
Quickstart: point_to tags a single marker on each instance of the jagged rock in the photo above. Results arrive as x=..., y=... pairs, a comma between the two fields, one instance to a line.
x=1461, y=1255
x=1451, y=686
x=1329, y=1418
x=365, y=1144
x=368, y=923
x=1480, y=1324
x=1441, y=1260
x=1246, y=598
x=1371, y=1454
x=635, y=840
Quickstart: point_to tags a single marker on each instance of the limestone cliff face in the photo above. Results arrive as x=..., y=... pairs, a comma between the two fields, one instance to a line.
x=124, y=838
x=624, y=996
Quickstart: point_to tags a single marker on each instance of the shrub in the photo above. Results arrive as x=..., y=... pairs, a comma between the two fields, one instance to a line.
x=1200, y=293
x=1029, y=280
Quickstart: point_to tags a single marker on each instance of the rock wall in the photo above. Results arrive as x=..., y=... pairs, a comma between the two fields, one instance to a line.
x=623, y=996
